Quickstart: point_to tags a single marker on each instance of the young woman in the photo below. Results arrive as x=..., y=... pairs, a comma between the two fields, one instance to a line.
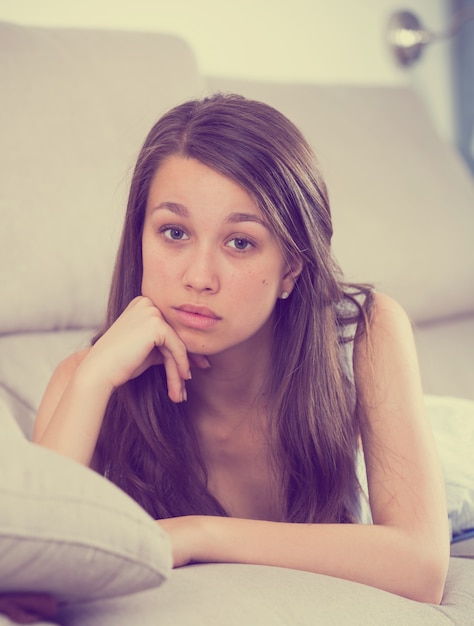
x=240, y=388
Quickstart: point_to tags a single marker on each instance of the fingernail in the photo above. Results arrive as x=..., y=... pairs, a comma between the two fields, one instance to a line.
x=184, y=395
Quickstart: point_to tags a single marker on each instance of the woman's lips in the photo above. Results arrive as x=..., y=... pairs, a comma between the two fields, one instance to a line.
x=198, y=317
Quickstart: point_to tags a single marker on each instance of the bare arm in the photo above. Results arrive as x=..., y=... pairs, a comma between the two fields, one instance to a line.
x=70, y=414
x=72, y=410
x=406, y=550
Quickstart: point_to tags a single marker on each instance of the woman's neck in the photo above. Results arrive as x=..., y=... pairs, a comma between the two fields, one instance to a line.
x=234, y=386
x=227, y=389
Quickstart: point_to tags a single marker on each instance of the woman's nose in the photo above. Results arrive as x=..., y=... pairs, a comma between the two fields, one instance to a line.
x=201, y=272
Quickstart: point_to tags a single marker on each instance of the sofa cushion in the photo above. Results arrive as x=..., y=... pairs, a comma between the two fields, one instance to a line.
x=452, y=421
x=67, y=531
x=237, y=595
x=76, y=106
x=464, y=547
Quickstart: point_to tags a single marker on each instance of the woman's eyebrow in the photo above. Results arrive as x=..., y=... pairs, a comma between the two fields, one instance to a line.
x=235, y=218
x=174, y=207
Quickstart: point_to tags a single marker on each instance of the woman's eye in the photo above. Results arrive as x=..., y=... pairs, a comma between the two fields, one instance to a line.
x=239, y=243
x=176, y=234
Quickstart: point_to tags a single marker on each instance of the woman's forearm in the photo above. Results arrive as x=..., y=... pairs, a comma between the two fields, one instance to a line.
x=385, y=557
x=74, y=427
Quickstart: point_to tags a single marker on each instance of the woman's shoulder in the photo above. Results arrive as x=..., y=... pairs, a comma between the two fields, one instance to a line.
x=365, y=320
x=386, y=305
x=387, y=347
x=387, y=315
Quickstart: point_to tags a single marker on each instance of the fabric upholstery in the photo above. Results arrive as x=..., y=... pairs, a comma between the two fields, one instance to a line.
x=234, y=595
x=445, y=351
x=67, y=531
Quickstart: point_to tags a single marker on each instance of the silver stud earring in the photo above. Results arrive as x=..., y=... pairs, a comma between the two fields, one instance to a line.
x=284, y=295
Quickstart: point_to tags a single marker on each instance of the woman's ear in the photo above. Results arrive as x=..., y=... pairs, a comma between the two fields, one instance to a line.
x=291, y=276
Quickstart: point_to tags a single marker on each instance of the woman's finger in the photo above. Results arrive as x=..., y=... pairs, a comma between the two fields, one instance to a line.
x=199, y=360
x=174, y=378
x=171, y=346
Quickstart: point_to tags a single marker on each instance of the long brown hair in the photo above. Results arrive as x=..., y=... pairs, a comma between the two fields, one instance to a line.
x=147, y=445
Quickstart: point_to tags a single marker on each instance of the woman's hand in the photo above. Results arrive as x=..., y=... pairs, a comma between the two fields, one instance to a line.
x=72, y=409
x=138, y=339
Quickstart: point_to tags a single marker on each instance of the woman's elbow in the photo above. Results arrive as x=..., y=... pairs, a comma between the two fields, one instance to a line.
x=430, y=578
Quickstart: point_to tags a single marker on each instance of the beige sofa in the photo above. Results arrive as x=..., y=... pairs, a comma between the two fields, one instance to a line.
x=75, y=107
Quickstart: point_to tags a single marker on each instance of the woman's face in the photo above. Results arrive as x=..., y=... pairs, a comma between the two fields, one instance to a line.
x=210, y=264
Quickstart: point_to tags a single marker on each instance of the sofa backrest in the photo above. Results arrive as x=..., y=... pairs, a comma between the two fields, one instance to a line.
x=75, y=108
